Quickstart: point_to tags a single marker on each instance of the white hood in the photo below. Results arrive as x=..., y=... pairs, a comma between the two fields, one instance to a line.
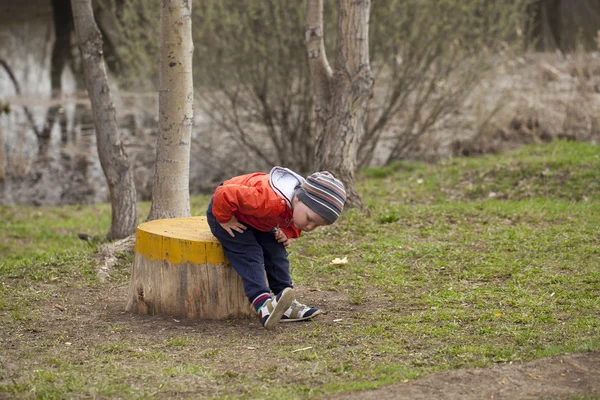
x=284, y=181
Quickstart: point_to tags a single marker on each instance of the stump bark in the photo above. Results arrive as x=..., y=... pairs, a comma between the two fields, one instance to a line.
x=180, y=270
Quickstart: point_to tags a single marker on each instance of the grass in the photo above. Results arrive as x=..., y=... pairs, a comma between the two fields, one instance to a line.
x=464, y=263
x=27, y=232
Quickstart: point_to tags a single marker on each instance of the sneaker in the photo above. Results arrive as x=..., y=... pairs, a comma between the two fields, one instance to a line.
x=272, y=310
x=299, y=312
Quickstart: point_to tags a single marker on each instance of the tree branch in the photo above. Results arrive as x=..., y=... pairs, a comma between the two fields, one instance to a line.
x=28, y=114
x=321, y=71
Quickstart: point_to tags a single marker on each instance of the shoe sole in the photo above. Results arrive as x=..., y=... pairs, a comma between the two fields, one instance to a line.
x=285, y=321
x=284, y=302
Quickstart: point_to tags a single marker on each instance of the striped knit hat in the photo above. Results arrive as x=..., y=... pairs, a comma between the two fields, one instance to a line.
x=323, y=194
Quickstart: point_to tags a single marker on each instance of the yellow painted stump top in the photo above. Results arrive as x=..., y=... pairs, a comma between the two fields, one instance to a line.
x=179, y=240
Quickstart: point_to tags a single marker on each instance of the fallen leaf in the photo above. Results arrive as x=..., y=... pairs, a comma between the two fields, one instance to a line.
x=339, y=261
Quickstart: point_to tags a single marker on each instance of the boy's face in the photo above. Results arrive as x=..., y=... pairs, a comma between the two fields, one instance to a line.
x=306, y=219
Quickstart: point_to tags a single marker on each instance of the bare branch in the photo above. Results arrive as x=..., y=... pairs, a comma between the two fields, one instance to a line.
x=28, y=114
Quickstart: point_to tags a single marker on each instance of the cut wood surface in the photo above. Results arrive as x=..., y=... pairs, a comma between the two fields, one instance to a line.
x=180, y=270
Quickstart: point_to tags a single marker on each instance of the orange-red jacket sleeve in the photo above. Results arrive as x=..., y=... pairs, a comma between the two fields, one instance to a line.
x=291, y=232
x=230, y=198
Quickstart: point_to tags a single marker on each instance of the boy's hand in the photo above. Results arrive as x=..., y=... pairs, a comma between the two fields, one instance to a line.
x=282, y=238
x=233, y=225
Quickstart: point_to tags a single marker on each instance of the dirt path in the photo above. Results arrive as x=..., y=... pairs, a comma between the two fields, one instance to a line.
x=93, y=322
x=559, y=377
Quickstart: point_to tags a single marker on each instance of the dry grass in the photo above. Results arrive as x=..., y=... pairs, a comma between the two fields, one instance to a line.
x=533, y=98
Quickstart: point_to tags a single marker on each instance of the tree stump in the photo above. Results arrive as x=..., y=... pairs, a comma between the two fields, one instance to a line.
x=180, y=270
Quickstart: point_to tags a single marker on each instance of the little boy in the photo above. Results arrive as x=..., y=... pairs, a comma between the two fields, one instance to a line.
x=254, y=217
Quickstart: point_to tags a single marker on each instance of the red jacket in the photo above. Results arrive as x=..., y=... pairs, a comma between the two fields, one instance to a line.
x=252, y=200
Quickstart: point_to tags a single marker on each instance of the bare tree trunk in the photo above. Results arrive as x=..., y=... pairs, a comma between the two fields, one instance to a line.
x=106, y=13
x=551, y=25
x=544, y=24
x=342, y=95
x=61, y=53
x=170, y=191
x=26, y=109
x=114, y=161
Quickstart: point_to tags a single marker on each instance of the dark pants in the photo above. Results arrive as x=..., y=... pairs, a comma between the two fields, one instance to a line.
x=251, y=253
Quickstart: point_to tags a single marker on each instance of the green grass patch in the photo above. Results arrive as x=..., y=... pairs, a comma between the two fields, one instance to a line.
x=465, y=263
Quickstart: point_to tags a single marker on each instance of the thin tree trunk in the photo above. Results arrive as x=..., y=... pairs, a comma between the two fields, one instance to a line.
x=61, y=53
x=170, y=191
x=554, y=23
x=544, y=24
x=26, y=109
x=114, y=161
x=81, y=116
x=342, y=95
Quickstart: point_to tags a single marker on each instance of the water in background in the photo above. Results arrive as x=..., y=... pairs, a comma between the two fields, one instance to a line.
x=70, y=172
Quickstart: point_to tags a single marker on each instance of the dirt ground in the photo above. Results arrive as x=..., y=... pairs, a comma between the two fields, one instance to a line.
x=560, y=377
x=89, y=319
